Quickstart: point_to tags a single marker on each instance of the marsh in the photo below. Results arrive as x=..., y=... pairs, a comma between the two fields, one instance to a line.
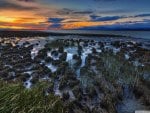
x=88, y=74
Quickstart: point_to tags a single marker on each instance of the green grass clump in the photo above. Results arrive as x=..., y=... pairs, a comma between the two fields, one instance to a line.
x=14, y=98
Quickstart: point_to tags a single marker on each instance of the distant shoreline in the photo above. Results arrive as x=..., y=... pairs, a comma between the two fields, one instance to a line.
x=46, y=34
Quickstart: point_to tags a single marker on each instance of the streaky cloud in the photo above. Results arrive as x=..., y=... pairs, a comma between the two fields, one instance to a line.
x=66, y=11
x=5, y=5
x=26, y=0
x=106, y=18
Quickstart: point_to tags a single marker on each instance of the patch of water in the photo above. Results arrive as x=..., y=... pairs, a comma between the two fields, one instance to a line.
x=35, y=50
x=72, y=50
x=28, y=83
x=129, y=103
x=127, y=56
x=56, y=89
x=72, y=97
x=29, y=72
x=69, y=57
x=116, y=50
x=137, y=63
x=51, y=67
x=83, y=57
x=52, y=56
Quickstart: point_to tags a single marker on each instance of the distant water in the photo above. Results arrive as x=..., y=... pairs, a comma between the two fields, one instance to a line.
x=135, y=34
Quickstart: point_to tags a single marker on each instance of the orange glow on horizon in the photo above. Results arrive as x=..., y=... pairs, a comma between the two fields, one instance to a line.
x=84, y=24
x=11, y=27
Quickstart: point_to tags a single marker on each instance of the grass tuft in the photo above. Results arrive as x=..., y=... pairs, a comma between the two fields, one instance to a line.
x=14, y=98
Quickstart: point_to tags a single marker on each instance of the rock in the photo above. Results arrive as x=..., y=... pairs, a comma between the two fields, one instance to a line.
x=91, y=92
x=48, y=59
x=94, y=51
x=63, y=56
x=143, y=93
x=34, y=80
x=65, y=96
x=72, y=83
x=98, y=109
x=63, y=84
x=116, y=44
x=61, y=49
x=77, y=91
x=56, y=62
x=75, y=56
x=108, y=104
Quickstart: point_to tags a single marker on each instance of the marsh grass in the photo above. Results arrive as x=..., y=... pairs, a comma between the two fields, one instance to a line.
x=14, y=98
x=119, y=69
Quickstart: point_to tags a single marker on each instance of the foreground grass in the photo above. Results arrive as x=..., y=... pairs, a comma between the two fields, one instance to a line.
x=14, y=98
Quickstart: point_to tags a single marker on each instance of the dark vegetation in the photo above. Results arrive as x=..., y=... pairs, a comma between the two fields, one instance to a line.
x=45, y=34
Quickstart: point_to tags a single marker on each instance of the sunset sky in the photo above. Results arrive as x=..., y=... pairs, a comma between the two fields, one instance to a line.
x=74, y=14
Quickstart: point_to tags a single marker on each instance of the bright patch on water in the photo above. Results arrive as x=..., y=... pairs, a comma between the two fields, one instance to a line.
x=69, y=57
x=51, y=67
x=127, y=56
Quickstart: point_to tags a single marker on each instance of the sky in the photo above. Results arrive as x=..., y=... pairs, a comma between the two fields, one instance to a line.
x=74, y=14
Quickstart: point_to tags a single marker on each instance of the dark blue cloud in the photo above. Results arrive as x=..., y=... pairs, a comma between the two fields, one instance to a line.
x=56, y=25
x=143, y=15
x=82, y=12
x=107, y=18
x=55, y=20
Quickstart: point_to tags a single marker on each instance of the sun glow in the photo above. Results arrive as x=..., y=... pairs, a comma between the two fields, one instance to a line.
x=7, y=19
